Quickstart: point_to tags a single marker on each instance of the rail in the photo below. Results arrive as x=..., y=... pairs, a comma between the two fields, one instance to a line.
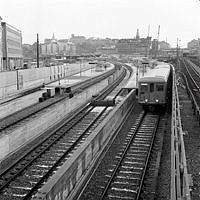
x=195, y=105
x=56, y=143
x=76, y=167
x=179, y=176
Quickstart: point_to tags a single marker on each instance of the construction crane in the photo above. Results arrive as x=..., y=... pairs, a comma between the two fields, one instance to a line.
x=156, y=50
x=158, y=32
x=148, y=43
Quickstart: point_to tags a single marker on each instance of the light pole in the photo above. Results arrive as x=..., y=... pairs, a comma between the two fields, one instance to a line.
x=58, y=74
x=37, y=51
x=59, y=79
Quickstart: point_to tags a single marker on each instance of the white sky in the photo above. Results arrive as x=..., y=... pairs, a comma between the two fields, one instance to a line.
x=104, y=18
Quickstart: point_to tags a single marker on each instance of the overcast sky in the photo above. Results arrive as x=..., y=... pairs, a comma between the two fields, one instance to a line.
x=104, y=18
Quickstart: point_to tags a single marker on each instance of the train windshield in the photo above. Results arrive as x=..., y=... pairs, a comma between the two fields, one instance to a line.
x=151, y=87
x=159, y=87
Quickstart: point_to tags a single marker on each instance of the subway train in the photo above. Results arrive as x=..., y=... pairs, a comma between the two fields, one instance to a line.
x=154, y=88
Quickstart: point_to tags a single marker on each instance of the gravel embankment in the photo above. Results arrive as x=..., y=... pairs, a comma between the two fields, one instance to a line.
x=192, y=141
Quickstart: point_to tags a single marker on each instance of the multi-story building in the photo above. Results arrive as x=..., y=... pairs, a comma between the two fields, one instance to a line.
x=164, y=45
x=136, y=46
x=28, y=52
x=107, y=50
x=194, y=44
x=50, y=47
x=11, y=47
x=160, y=49
x=1, y=53
x=194, y=47
x=85, y=48
x=72, y=49
x=64, y=46
x=77, y=39
x=154, y=48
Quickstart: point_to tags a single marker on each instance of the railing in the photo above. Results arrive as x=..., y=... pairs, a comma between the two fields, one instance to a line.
x=179, y=175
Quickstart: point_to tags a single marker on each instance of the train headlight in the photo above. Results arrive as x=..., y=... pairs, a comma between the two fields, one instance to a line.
x=157, y=100
x=146, y=100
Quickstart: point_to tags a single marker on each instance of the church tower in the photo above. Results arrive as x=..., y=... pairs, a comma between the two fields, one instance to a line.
x=137, y=35
x=53, y=39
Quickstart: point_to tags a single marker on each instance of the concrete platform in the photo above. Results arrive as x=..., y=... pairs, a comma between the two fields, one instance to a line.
x=28, y=100
x=141, y=73
x=12, y=83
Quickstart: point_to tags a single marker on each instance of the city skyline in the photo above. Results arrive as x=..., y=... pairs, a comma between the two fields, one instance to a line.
x=104, y=19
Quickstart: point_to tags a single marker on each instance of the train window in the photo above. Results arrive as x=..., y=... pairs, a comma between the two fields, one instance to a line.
x=159, y=87
x=151, y=87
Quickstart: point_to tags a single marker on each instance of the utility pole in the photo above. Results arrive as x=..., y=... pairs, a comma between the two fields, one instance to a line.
x=177, y=55
x=177, y=48
x=37, y=51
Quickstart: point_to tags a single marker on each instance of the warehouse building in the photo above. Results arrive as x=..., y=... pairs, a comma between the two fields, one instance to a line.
x=137, y=46
x=1, y=53
x=11, y=47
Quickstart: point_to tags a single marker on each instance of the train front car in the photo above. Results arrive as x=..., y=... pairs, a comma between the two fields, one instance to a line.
x=153, y=87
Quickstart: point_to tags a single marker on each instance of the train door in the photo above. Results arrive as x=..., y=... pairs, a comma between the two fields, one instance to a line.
x=151, y=92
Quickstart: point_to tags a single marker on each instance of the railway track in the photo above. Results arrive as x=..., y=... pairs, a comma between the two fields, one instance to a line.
x=32, y=90
x=193, y=73
x=125, y=174
x=193, y=78
x=28, y=173
x=33, y=109
x=22, y=179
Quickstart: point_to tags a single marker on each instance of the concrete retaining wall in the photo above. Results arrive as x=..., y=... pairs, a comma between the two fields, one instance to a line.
x=19, y=103
x=14, y=82
x=11, y=140
x=8, y=83
x=66, y=178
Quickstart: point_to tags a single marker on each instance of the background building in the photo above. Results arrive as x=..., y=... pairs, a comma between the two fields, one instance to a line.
x=107, y=50
x=135, y=47
x=1, y=53
x=50, y=46
x=53, y=47
x=194, y=47
x=164, y=45
x=154, y=48
x=11, y=47
x=28, y=52
x=163, y=49
x=77, y=39
x=63, y=46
